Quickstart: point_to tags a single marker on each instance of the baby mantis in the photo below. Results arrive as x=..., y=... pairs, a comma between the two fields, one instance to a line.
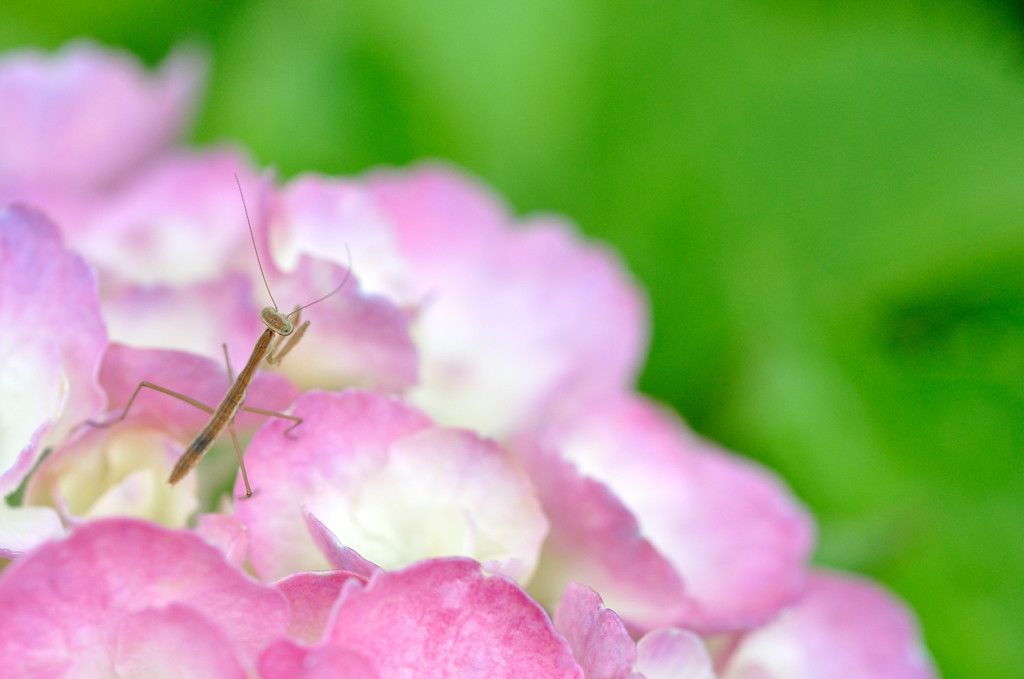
x=279, y=337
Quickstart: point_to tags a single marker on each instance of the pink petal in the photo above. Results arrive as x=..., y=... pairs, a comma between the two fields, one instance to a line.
x=669, y=653
x=174, y=641
x=431, y=212
x=183, y=226
x=180, y=221
x=450, y=619
x=376, y=491
x=177, y=258
x=729, y=529
x=85, y=116
x=537, y=325
x=228, y=534
x=311, y=597
x=67, y=604
x=52, y=342
x=286, y=660
x=438, y=213
x=598, y=639
x=31, y=388
x=844, y=628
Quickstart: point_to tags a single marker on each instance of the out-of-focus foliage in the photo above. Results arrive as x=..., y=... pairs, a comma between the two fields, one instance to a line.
x=825, y=200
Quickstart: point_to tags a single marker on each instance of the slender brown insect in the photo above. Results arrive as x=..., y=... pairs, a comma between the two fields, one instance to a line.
x=273, y=345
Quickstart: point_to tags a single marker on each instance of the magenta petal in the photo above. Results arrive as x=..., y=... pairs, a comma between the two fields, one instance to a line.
x=450, y=619
x=51, y=345
x=175, y=640
x=598, y=639
x=311, y=597
x=66, y=603
x=85, y=115
x=286, y=660
x=843, y=628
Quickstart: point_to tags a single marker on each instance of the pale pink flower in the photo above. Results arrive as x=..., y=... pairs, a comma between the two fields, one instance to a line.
x=456, y=314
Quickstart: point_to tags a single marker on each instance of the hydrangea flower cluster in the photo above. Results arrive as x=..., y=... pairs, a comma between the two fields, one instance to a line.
x=476, y=489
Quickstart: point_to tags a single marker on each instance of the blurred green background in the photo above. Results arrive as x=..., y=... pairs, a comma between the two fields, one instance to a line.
x=825, y=200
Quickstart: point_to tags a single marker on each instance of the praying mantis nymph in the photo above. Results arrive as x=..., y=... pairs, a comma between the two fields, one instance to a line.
x=280, y=336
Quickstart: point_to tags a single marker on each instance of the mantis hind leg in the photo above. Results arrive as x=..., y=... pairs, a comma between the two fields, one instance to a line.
x=296, y=421
x=156, y=387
